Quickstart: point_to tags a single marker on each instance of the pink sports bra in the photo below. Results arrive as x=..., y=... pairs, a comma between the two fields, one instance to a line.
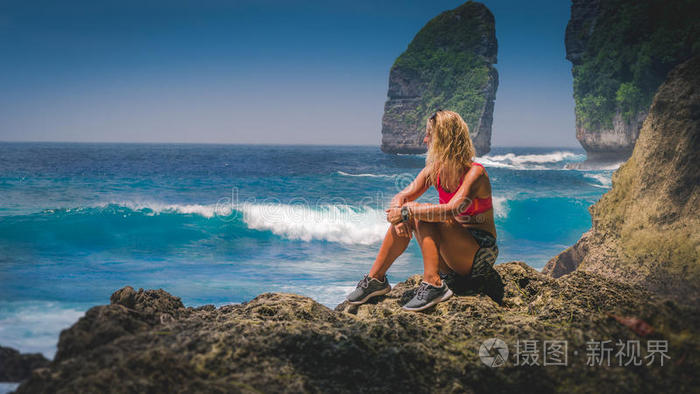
x=478, y=205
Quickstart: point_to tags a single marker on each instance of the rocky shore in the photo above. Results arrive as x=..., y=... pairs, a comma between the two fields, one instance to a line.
x=16, y=366
x=148, y=341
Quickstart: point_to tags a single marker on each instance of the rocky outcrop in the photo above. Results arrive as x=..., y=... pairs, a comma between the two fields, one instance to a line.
x=584, y=15
x=16, y=366
x=646, y=229
x=611, y=145
x=621, y=51
x=448, y=65
x=146, y=341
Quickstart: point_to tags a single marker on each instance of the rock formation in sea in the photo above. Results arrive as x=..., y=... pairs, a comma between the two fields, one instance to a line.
x=147, y=341
x=448, y=65
x=621, y=51
x=16, y=366
x=646, y=229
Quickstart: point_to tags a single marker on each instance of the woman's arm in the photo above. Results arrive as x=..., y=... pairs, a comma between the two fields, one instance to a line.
x=442, y=212
x=411, y=192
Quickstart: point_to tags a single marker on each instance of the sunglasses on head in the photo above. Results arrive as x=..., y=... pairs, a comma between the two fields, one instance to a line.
x=434, y=115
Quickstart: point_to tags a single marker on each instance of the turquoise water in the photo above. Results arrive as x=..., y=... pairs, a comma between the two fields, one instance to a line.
x=222, y=223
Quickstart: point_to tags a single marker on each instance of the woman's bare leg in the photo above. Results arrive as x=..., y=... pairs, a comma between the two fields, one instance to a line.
x=428, y=237
x=444, y=247
x=392, y=247
x=457, y=247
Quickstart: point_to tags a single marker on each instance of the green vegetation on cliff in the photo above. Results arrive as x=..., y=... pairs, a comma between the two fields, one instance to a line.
x=646, y=228
x=633, y=45
x=449, y=59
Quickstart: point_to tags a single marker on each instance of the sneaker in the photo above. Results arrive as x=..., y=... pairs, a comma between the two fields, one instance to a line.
x=428, y=295
x=367, y=288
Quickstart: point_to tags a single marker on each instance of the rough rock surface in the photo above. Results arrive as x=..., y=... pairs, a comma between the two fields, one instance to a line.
x=646, y=229
x=448, y=65
x=146, y=341
x=611, y=145
x=16, y=366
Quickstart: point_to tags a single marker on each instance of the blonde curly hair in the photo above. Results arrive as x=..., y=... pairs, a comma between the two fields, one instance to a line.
x=451, y=146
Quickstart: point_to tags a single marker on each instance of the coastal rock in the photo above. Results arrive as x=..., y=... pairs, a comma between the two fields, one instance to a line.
x=130, y=312
x=289, y=343
x=646, y=229
x=448, y=65
x=621, y=51
x=613, y=145
x=16, y=366
x=584, y=15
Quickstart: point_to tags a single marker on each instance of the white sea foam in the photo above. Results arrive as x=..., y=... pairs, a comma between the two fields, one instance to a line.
x=553, y=157
x=500, y=207
x=412, y=154
x=156, y=208
x=528, y=162
x=34, y=327
x=593, y=166
x=604, y=180
x=367, y=175
x=340, y=223
x=333, y=223
x=487, y=162
x=8, y=387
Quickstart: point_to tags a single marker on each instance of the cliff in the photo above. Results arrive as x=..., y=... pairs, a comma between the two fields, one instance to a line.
x=646, y=229
x=147, y=341
x=621, y=51
x=448, y=65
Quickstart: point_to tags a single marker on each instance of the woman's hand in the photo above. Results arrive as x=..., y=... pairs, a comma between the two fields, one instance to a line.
x=403, y=230
x=393, y=215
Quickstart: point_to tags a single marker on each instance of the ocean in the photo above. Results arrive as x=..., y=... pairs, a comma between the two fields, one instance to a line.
x=220, y=224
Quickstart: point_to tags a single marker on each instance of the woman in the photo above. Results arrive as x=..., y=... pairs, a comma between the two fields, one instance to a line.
x=454, y=234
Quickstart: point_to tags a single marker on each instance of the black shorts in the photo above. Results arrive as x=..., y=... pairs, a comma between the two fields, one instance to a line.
x=488, y=250
x=483, y=278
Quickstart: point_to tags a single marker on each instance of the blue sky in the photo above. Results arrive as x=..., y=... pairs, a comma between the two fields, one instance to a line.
x=255, y=71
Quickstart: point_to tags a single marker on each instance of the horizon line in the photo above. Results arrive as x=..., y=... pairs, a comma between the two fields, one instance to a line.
x=252, y=144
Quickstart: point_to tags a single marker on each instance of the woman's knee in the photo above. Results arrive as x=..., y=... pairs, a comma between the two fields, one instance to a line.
x=420, y=226
x=427, y=230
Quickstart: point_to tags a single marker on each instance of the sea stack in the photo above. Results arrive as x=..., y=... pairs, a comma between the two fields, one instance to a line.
x=645, y=229
x=448, y=65
x=621, y=52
